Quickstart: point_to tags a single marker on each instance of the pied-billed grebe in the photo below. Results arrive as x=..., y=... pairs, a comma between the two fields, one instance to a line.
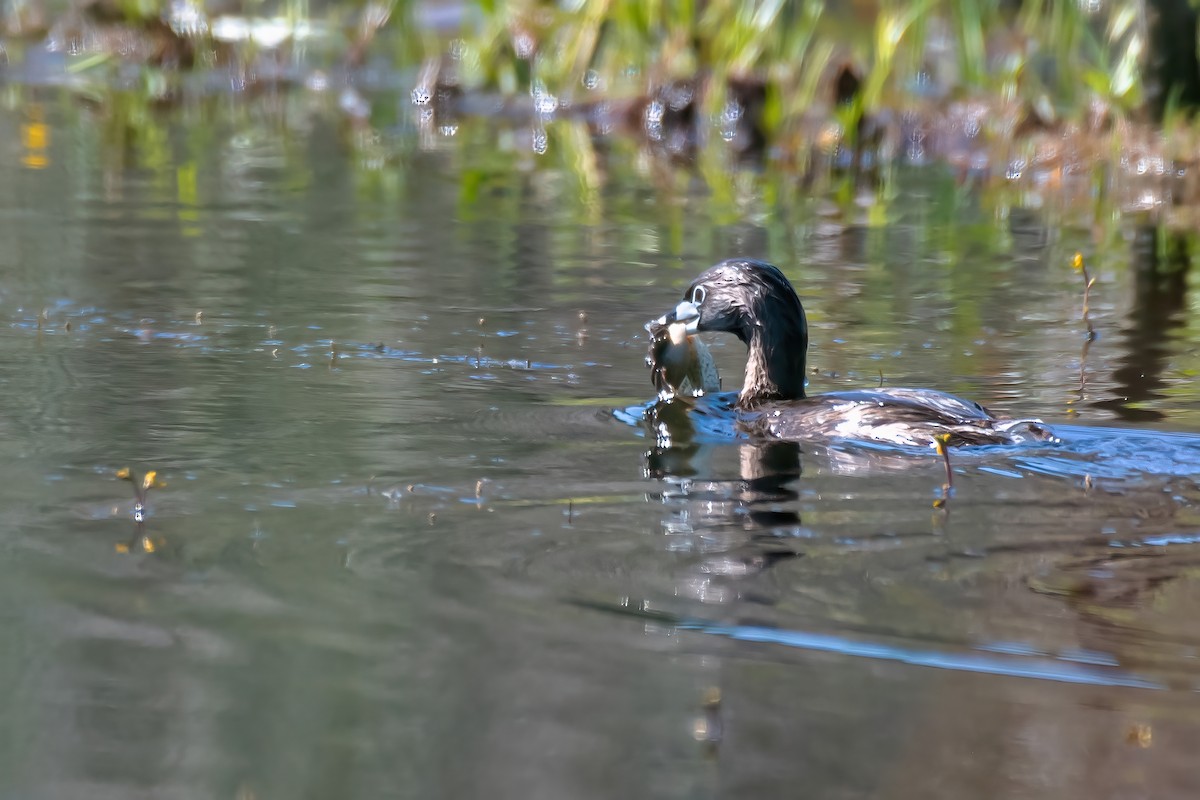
x=755, y=302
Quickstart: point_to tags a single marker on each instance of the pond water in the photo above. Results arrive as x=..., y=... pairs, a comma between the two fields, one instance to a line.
x=413, y=542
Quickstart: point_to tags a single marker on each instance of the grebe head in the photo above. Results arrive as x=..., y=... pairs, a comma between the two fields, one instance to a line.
x=755, y=302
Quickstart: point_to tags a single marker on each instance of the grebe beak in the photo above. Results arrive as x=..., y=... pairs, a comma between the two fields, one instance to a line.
x=686, y=312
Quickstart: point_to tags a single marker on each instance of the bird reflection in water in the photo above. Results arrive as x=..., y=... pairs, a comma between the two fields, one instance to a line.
x=741, y=524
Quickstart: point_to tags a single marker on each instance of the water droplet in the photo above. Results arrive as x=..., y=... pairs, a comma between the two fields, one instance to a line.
x=524, y=45
x=544, y=103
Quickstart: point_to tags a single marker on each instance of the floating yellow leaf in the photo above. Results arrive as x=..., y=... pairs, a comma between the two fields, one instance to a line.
x=1140, y=734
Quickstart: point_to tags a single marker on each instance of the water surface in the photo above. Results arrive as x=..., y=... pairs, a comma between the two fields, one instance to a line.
x=405, y=546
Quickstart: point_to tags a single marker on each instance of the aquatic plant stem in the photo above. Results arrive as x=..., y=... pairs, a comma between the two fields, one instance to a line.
x=1079, y=266
x=942, y=443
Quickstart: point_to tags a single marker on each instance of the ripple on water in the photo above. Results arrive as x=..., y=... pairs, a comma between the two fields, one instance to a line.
x=845, y=554
x=1029, y=534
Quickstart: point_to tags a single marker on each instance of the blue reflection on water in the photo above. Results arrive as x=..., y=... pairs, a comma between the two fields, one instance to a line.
x=1062, y=668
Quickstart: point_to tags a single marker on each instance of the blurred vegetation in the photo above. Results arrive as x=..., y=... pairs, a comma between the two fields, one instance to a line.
x=1056, y=56
x=1018, y=97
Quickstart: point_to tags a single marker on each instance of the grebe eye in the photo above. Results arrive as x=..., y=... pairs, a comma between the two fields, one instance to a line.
x=698, y=295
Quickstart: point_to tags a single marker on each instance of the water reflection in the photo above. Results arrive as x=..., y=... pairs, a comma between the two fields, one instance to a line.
x=736, y=509
x=380, y=509
x=740, y=524
x=1159, y=295
x=1081, y=656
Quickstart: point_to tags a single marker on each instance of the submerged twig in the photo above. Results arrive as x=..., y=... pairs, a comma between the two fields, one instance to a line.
x=140, y=489
x=942, y=443
x=709, y=728
x=1083, y=354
